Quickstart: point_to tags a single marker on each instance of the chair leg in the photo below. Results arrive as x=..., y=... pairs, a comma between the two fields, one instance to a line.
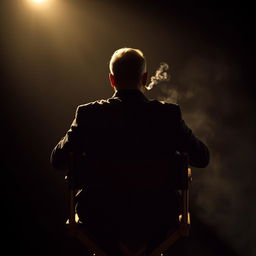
x=127, y=252
x=77, y=232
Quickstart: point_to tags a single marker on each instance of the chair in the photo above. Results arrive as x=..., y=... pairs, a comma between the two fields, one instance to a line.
x=182, y=179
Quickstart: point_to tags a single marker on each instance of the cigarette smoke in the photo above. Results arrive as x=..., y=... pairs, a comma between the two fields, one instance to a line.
x=222, y=195
x=161, y=75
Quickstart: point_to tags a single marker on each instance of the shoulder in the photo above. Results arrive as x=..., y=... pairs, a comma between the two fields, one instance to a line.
x=92, y=105
x=167, y=109
x=165, y=105
x=95, y=105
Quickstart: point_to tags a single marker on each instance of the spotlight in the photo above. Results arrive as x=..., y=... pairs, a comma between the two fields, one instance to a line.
x=39, y=1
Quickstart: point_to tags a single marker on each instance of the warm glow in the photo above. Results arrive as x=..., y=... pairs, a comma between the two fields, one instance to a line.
x=40, y=4
x=39, y=1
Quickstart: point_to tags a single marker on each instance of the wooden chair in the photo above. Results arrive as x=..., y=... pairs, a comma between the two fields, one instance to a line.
x=183, y=180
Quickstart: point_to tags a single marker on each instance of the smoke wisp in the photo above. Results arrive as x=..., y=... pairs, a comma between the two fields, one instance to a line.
x=161, y=75
x=218, y=113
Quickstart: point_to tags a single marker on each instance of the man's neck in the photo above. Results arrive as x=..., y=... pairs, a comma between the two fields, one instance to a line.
x=138, y=88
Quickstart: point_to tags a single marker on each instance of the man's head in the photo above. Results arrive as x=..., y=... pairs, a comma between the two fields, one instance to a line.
x=128, y=69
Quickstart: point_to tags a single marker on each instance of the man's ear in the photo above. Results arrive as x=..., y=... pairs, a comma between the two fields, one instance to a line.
x=112, y=80
x=144, y=78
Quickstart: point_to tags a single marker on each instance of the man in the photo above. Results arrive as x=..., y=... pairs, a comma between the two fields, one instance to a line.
x=129, y=144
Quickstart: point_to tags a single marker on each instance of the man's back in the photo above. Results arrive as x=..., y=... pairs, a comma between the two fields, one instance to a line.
x=129, y=125
x=128, y=145
x=128, y=139
x=131, y=132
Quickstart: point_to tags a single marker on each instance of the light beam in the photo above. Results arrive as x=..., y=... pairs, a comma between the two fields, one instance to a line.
x=39, y=1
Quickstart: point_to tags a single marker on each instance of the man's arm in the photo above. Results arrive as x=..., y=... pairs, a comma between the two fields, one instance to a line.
x=198, y=152
x=69, y=143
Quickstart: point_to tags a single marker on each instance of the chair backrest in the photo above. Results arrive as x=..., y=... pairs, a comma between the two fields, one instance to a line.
x=181, y=178
x=86, y=169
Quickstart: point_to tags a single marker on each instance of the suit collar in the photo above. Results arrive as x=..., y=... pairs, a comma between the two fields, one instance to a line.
x=130, y=94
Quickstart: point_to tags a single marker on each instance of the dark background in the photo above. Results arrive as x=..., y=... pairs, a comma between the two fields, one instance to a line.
x=56, y=56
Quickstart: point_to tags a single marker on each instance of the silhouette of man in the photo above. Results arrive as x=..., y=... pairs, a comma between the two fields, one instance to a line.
x=129, y=143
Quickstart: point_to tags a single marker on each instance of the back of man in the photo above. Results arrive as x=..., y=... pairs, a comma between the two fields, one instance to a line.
x=130, y=129
x=129, y=144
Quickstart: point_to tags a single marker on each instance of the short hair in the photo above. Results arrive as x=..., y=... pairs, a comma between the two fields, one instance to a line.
x=127, y=65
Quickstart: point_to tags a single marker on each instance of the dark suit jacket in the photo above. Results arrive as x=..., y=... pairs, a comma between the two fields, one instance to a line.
x=128, y=126
x=129, y=142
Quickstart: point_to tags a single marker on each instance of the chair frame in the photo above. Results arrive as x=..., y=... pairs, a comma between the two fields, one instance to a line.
x=84, y=237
